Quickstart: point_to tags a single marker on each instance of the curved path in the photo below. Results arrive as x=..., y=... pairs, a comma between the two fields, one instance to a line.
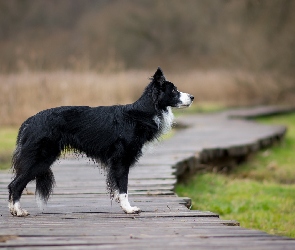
x=80, y=214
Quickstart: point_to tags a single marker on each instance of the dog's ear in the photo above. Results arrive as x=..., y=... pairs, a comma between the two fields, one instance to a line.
x=159, y=76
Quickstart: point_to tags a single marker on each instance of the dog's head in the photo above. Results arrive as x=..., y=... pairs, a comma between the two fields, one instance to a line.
x=166, y=94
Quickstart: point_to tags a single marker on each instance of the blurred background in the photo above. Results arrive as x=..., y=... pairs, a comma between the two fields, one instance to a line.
x=102, y=52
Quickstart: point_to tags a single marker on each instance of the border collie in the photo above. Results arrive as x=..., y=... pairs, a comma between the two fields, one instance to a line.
x=111, y=135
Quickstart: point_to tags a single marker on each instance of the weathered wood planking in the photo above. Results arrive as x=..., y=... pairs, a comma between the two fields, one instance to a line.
x=80, y=214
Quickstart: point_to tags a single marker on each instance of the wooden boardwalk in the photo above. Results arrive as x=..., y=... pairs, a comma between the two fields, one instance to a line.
x=80, y=214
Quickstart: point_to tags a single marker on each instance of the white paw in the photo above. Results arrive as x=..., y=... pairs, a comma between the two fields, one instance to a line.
x=21, y=213
x=16, y=210
x=132, y=210
x=125, y=205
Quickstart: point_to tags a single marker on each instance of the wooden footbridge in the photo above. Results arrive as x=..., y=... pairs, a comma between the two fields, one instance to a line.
x=80, y=214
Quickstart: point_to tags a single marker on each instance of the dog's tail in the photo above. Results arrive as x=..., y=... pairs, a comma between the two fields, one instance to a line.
x=44, y=186
x=18, y=160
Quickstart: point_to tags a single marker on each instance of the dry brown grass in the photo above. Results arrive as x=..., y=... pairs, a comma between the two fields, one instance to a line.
x=24, y=94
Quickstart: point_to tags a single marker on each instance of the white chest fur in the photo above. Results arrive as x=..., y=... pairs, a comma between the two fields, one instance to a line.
x=164, y=122
x=167, y=121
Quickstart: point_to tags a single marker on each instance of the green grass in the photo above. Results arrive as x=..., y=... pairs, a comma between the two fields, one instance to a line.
x=264, y=206
x=277, y=163
x=7, y=144
x=260, y=194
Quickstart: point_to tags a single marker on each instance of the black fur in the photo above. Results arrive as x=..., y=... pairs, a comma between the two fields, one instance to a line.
x=111, y=135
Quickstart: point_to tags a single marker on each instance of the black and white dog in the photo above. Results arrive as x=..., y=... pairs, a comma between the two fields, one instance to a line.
x=113, y=136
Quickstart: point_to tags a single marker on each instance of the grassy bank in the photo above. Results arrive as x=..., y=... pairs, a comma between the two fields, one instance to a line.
x=7, y=144
x=259, y=194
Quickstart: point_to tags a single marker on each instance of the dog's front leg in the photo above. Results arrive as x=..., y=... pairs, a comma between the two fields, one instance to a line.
x=122, y=196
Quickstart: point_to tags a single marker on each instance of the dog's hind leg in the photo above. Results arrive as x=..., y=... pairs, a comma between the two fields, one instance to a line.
x=32, y=161
x=120, y=177
x=38, y=170
x=16, y=188
x=44, y=185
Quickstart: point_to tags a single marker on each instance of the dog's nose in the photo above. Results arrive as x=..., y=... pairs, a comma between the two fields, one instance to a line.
x=192, y=97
